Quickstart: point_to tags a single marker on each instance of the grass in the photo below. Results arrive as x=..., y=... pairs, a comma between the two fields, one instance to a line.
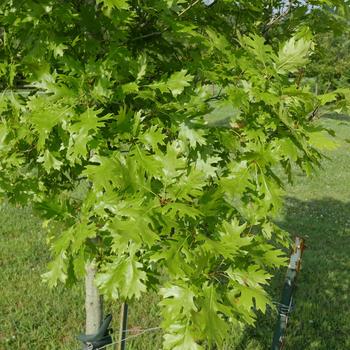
x=319, y=210
x=31, y=315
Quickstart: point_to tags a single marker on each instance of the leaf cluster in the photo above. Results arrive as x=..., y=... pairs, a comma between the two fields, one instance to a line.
x=154, y=132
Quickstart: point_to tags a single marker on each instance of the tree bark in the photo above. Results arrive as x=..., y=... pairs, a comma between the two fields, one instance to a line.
x=93, y=301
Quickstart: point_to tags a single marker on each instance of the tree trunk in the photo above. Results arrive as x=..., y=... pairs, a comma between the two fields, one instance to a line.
x=93, y=301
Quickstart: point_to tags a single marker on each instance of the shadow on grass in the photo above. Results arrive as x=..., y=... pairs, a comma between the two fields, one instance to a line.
x=321, y=319
x=336, y=116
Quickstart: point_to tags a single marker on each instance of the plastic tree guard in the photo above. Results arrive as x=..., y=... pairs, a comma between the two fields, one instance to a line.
x=100, y=339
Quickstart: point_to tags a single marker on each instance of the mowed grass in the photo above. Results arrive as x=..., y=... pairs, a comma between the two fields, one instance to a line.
x=317, y=208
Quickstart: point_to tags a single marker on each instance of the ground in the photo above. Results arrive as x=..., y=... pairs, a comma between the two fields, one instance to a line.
x=317, y=208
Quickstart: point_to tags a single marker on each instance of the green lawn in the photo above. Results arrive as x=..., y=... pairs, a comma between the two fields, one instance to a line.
x=319, y=210
x=32, y=316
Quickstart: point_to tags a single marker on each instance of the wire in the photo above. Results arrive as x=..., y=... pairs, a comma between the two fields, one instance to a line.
x=142, y=331
x=283, y=309
x=132, y=336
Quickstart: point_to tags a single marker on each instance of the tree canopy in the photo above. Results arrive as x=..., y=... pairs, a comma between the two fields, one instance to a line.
x=159, y=134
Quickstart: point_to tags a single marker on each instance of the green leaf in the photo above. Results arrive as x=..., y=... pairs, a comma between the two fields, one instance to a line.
x=171, y=257
x=287, y=149
x=3, y=135
x=49, y=161
x=44, y=117
x=137, y=229
x=81, y=232
x=58, y=49
x=122, y=278
x=178, y=81
x=326, y=98
x=192, y=136
x=293, y=55
x=207, y=167
x=82, y=131
x=188, y=186
x=256, y=44
x=173, y=164
x=274, y=257
x=229, y=242
x=52, y=208
x=180, y=210
x=218, y=41
x=142, y=61
x=321, y=140
x=111, y=4
x=153, y=137
x=180, y=337
x=177, y=299
x=222, y=115
x=209, y=319
x=175, y=84
x=104, y=175
x=57, y=270
x=130, y=88
x=253, y=297
x=231, y=235
x=253, y=276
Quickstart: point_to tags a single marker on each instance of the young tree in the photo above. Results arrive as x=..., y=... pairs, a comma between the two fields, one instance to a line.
x=153, y=133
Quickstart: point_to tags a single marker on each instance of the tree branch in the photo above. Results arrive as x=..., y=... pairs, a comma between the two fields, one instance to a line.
x=277, y=18
x=188, y=8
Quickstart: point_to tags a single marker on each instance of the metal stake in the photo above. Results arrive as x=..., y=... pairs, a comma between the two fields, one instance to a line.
x=123, y=326
x=285, y=306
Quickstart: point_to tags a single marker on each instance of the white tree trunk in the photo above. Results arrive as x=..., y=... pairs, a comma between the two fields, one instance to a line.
x=93, y=301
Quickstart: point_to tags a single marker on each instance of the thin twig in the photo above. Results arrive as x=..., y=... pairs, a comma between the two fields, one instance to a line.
x=278, y=18
x=188, y=8
x=161, y=32
x=148, y=35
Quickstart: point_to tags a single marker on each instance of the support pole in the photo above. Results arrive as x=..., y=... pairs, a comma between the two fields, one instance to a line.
x=285, y=306
x=123, y=326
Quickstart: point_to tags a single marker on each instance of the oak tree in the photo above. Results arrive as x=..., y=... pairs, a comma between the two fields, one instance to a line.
x=158, y=134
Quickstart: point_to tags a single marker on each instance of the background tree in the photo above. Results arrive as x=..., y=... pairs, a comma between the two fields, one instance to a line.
x=153, y=133
x=330, y=66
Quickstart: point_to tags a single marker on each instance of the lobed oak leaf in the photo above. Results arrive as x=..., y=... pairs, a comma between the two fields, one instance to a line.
x=123, y=277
